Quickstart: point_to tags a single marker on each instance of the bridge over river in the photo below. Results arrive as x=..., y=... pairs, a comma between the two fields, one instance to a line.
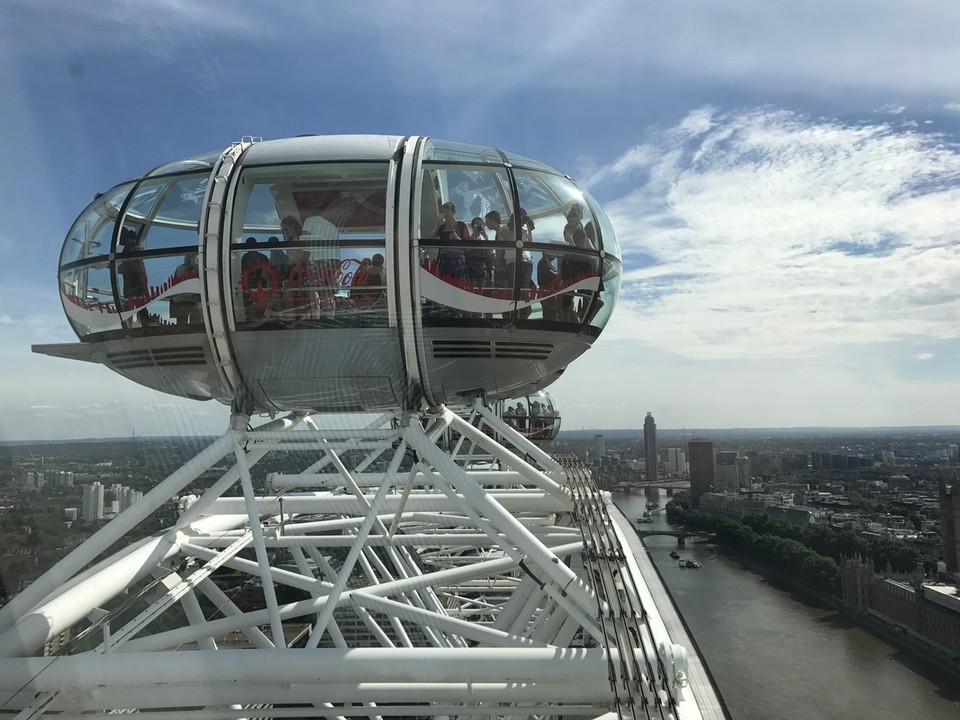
x=680, y=535
x=631, y=487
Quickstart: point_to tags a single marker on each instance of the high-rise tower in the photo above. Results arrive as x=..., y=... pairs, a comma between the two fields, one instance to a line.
x=700, y=459
x=650, y=447
x=598, y=448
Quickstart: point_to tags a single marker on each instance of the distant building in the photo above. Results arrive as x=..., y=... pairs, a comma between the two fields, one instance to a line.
x=735, y=506
x=929, y=611
x=726, y=477
x=128, y=497
x=950, y=525
x=823, y=460
x=797, y=515
x=743, y=472
x=92, y=508
x=676, y=461
x=700, y=458
x=650, y=447
x=598, y=449
x=900, y=482
x=816, y=460
x=794, y=462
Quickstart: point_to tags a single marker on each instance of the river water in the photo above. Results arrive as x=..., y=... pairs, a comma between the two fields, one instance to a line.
x=775, y=654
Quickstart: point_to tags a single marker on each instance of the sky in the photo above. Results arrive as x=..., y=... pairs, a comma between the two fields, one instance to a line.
x=784, y=180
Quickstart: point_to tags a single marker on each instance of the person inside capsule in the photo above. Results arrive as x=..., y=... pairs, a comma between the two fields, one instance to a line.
x=185, y=307
x=452, y=261
x=134, y=275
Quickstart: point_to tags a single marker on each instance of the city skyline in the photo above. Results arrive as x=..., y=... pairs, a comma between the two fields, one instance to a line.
x=783, y=183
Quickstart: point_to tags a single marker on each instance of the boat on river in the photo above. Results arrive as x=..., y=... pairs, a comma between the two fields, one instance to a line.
x=685, y=563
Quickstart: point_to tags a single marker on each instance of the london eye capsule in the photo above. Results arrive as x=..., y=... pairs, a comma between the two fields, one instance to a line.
x=535, y=416
x=340, y=273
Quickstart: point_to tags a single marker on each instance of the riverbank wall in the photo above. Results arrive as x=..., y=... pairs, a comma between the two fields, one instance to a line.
x=898, y=635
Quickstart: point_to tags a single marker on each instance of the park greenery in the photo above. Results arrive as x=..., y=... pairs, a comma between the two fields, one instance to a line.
x=810, y=555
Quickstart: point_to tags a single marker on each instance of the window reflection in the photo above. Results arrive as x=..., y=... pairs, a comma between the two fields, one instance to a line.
x=165, y=213
x=458, y=152
x=549, y=200
x=160, y=294
x=204, y=162
x=608, y=238
x=134, y=291
x=560, y=287
x=609, y=292
x=185, y=303
x=92, y=233
x=88, y=300
x=133, y=287
x=308, y=246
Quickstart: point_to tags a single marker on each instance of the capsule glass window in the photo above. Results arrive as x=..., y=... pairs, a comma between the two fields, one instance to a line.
x=88, y=299
x=92, y=232
x=165, y=212
x=556, y=208
x=160, y=294
x=608, y=239
x=464, y=273
x=308, y=246
x=599, y=313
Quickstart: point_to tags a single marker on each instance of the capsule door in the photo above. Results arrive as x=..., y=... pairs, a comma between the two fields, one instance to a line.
x=311, y=316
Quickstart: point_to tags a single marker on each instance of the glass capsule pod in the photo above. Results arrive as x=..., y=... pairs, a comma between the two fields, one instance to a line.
x=534, y=416
x=340, y=273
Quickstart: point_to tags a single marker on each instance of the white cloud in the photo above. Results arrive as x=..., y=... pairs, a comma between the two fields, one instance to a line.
x=925, y=356
x=779, y=235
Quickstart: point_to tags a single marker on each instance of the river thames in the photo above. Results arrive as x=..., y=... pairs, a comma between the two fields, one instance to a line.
x=775, y=654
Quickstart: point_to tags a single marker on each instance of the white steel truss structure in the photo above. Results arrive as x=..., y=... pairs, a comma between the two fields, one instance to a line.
x=427, y=565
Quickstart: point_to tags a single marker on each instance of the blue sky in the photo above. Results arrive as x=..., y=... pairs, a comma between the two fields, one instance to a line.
x=784, y=181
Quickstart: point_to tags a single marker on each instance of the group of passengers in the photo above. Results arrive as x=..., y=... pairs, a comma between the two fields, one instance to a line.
x=292, y=283
x=482, y=268
x=537, y=423
x=478, y=266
